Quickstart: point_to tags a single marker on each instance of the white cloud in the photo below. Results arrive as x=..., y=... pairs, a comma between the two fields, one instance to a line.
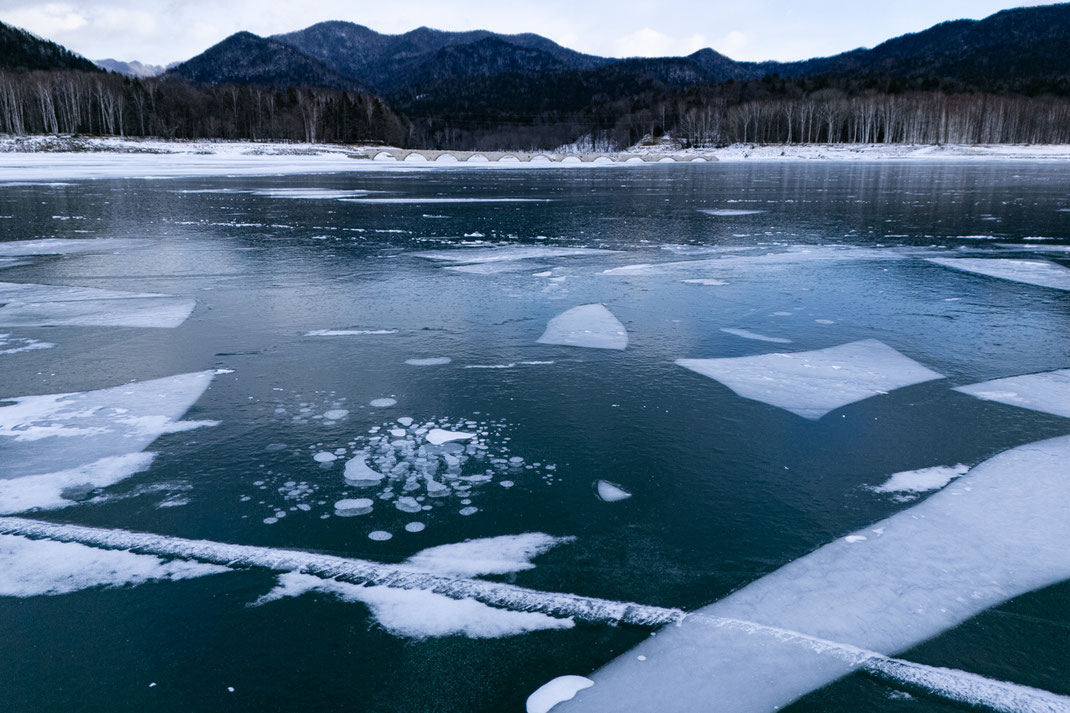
x=731, y=44
x=651, y=43
x=46, y=20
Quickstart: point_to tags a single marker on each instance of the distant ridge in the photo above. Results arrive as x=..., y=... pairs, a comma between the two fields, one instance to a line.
x=130, y=69
x=22, y=50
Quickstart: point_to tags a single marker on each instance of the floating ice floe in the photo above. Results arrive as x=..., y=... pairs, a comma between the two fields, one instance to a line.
x=15, y=345
x=55, y=446
x=747, y=334
x=66, y=246
x=728, y=212
x=507, y=254
x=922, y=480
x=592, y=326
x=813, y=383
x=438, y=436
x=30, y=568
x=385, y=402
x=995, y=533
x=1047, y=391
x=1032, y=272
x=559, y=690
x=430, y=361
x=30, y=305
x=611, y=492
x=347, y=332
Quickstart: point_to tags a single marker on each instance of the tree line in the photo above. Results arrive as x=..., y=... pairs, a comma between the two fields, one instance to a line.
x=95, y=103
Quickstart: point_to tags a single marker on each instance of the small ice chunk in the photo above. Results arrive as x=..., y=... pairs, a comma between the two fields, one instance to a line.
x=30, y=305
x=747, y=334
x=922, y=480
x=351, y=507
x=430, y=361
x=728, y=212
x=325, y=457
x=562, y=688
x=438, y=436
x=405, y=421
x=358, y=473
x=398, y=432
x=407, y=503
x=1047, y=391
x=335, y=414
x=592, y=326
x=1033, y=272
x=383, y=403
x=470, y=510
x=813, y=383
x=379, y=535
x=611, y=492
x=414, y=527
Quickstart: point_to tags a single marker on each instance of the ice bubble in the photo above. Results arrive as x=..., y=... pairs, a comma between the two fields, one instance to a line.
x=358, y=473
x=325, y=457
x=407, y=504
x=430, y=361
x=438, y=436
x=414, y=527
x=611, y=492
x=336, y=414
x=379, y=535
x=470, y=510
x=405, y=421
x=351, y=507
x=383, y=403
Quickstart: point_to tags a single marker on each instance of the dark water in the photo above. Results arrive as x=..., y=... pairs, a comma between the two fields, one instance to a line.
x=725, y=490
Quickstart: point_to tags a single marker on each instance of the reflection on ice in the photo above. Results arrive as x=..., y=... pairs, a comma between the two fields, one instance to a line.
x=30, y=305
x=1032, y=272
x=995, y=533
x=813, y=383
x=64, y=246
x=591, y=326
x=1048, y=391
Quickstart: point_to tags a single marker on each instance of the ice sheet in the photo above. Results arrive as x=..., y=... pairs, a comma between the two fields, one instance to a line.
x=560, y=689
x=30, y=568
x=1047, y=391
x=64, y=246
x=813, y=383
x=56, y=434
x=509, y=253
x=32, y=305
x=993, y=534
x=47, y=491
x=778, y=259
x=495, y=268
x=747, y=334
x=418, y=201
x=591, y=326
x=1032, y=272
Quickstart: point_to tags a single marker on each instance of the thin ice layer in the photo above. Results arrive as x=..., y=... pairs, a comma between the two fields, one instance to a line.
x=30, y=568
x=1032, y=272
x=813, y=383
x=1047, y=391
x=58, y=432
x=591, y=326
x=30, y=305
x=993, y=534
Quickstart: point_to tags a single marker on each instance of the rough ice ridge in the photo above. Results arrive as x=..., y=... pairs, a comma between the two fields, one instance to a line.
x=592, y=326
x=1047, y=391
x=1032, y=272
x=813, y=383
x=30, y=305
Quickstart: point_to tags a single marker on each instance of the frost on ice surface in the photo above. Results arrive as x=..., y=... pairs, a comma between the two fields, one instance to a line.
x=29, y=305
x=591, y=326
x=430, y=361
x=30, y=568
x=993, y=534
x=54, y=442
x=559, y=690
x=420, y=614
x=728, y=212
x=510, y=254
x=922, y=480
x=813, y=383
x=1047, y=391
x=747, y=334
x=15, y=345
x=489, y=555
x=1033, y=272
x=611, y=492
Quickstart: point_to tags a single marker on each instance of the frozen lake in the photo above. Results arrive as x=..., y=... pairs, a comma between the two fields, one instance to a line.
x=778, y=393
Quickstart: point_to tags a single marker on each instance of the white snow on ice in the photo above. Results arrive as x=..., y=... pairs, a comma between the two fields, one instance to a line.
x=1047, y=391
x=922, y=480
x=489, y=555
x=15, y=345
x=1032, y=272
x=813, y=383
x=592, y=326
x=30, y=568
x=993, y=534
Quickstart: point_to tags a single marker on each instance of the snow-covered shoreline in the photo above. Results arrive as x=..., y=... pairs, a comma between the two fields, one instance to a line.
x=50, y=158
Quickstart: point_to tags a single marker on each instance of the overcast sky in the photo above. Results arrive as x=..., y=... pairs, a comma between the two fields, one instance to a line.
x=162, y=31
